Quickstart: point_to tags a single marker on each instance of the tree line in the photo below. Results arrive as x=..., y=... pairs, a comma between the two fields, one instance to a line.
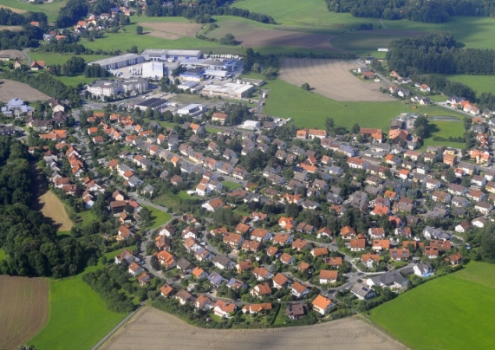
x=19, y=40
x=32, y=246
x=438, y=11
x=203, y=11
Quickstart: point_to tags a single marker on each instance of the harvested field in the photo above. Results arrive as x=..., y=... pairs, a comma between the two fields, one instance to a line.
x=13, y=54
x=151, y=329
x=11, y=28
x=171, y=30
x=10, y=89
x=332, y=79
x=53, y=209
x=23, y=309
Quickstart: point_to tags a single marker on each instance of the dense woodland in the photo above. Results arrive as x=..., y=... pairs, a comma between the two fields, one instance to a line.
x=9, y=18
x=33, y=247
x=19, y=40
x=437, y=53
x=437, y=11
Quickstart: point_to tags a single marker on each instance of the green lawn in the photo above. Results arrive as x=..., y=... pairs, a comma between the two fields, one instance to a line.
x=479, y=83
x=87, y=217
x=78, y=318
x=451, y=312
x=63, y=233
x=2, y=254
x=365, y=42
x=51, y=10
x=61, y=58
x=158, y=217
x=231, y=185
x=185, y=195
x=446, y=129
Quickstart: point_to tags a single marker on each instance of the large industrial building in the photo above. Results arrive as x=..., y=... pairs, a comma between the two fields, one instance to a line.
x=170, y=55
x=116, y=62
x=229, y=90
x=192, y=110
x=152, y=103
x=101, y=88
x=153, y=70
x=210, y=64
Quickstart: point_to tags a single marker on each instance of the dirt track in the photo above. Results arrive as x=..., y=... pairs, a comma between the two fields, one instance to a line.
x=10, y=89
x=12, y=9
x=331, y=78
x=52, y=208
x=171, y=30
x=23, y=309
x=153, y=329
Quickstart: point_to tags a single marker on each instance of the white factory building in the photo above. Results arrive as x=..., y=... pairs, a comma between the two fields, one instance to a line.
x=194, y=109
x=170, y=55
x=116, y=62
x=153, y=70
x=229, y=90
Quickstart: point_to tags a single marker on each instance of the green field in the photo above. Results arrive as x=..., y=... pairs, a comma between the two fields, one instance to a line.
x=51, y=10
x=231, y=185
x=86, y=217
x=2, y=254
x=365, y=42
x=479, y=83
x=451, y=312
x=78, y=317
x=310, y=110
x=158, y=217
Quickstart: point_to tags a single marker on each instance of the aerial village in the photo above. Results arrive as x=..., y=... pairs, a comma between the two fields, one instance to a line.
x=264, y=215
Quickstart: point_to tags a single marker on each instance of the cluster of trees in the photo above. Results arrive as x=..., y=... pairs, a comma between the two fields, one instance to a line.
x=448, y=87
x=47, y=84
x=436, y=53
x=19, y=40
x=95, y=71
x=65, y=46
x=203, y=12
x=228, y=39
x=72, y=12
x=74, y=66
x=267, y=65
x=438, y=11
x=107, y=283
x=32, y=246
x=10, y=18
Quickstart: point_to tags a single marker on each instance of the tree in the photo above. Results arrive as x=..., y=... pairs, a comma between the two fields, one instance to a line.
x=139, y=30
x=145, y=214
x=329, y=124
x=356, y=129
x=306, y=87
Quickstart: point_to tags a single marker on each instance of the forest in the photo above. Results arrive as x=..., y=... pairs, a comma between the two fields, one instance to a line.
x=32, y=246
x=9, y=18
x=19, y=40
x=203, y=11
x=437, y=53
x=438, y=11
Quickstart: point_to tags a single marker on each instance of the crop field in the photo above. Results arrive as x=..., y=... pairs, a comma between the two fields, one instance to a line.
x=23, y=309
x=10, y=89
x=53, y=209
x=78, y=316
x=151, y=329
x=331, y=78
x=170, y=30
x=451, y=312
x=13, y=54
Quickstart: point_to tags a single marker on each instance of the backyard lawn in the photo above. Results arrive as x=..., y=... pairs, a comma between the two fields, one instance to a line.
x=231, y=185
x=158, y=217
x=451, y=312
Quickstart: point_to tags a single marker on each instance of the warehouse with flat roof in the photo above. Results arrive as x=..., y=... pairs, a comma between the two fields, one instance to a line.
x=168, y=55
x=116, y=62
x=229, y=90
x=153, y=103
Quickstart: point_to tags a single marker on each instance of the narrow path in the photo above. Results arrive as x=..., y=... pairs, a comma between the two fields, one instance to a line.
x=25, y=52
x=383, y=24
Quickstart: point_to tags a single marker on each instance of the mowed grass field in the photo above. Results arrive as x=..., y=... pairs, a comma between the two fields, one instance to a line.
x=23, y=309
x=158, y=217
x=446, y=129
x=78, y=317
x=451, y=312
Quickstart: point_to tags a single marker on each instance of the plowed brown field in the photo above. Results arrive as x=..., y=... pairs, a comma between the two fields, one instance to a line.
x=153, y=329
x=23, y=309
x=11, y=89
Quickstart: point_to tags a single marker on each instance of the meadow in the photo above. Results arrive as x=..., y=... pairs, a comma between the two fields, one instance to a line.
x=158, y=217
x=308, y=109
x=479, y=83
x=51, y=9
x=78, y=317
x=451, y=312
x=445, y=129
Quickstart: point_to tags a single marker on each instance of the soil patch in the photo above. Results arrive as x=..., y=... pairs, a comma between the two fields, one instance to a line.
x=10, y=89
x=151, y=329
x=53, y=209
x=11, y=28
x=332, y=79
x=171, y=30
x=24, y=308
